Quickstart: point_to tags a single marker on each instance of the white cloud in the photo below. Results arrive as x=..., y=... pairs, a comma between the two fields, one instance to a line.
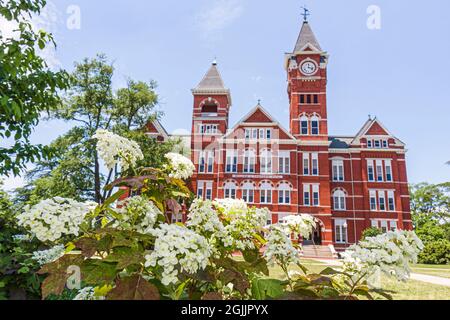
x=219, y=15
x=48, y=20
x=12, y=183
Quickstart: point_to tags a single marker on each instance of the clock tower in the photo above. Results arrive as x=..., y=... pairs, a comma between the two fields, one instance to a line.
x=306, y=70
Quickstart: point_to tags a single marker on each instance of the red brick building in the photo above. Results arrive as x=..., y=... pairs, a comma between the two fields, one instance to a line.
x=348, y=183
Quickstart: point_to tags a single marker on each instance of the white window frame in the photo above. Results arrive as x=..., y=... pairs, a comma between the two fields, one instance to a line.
x=373, y=202
x=315, y=195
x=371, y=171
x=284, y=193
x=307, y=192
x=265, y=193
x=230, y=190
x=284, y=162
x=341, y=230
x=266, y=161
x=390, y=196
x=382, y=200
x=231, y=162
x=306, y=167
x=379, y=171
x=248, y=192
x=339, y=200
x=315, y=124
x=304, y=121
x=315, y=164
x=388, y=170
x=338, y=170
x=249, y=161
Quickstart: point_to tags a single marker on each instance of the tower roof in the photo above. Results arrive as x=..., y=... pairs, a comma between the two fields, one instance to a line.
x=212, y=80
x=306, y=37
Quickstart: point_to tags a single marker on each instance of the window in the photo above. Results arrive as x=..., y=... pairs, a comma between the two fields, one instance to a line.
x=304, y=125
x=385, y=144
x=266, y=193
x=284, y=194
x=373, y=200
x=316, y=98
x=370, y=171
x=339, y=200
x=284, y=162
x=266, y=161
x=200, y=189
x=391, y=201
x=249, y=161
x=338, y=170
x=382, y=200
x=248, y=192
x=374, y=224
x=315, y=125
x=210, y=161
x=302, y=98
x=315, y=164
x=369, y=144
x=393, y=225
x=177, y=217
x=308, y=99
x=269, y=134
x=306, y=195
x=208, y=195
x=208, y=129
x=316, y=195
x=388, y=170
x=379, y=170
x=306, y=164
x=231, y=161
x=340, y=230
x=202, y=162
x=384, y=226
x=230, y=190
x=377, y=144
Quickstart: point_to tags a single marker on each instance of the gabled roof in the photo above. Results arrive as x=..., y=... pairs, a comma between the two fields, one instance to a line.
x=266, y=117
x=155, y=127
x=306, y=39
x=374, y=127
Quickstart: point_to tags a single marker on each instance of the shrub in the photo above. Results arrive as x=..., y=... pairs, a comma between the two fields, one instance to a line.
x=436, y=252
x=371, y=232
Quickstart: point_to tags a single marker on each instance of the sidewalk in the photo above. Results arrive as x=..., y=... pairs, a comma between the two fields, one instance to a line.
x=415, y=276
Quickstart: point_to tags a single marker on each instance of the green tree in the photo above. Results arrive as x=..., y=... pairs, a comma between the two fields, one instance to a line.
x=371, y=232
x=74, y=171
x=27, y=87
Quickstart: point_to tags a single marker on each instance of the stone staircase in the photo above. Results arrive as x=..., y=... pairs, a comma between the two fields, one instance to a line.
x=312, y=251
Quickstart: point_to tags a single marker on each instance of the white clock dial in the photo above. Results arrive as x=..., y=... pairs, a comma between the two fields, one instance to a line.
x=308, y=68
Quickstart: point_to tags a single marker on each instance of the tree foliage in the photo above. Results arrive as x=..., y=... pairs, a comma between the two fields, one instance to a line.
x=27, y=86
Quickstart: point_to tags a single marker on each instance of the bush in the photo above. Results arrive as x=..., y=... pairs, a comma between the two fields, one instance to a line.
x=371, y=232
x=436, y=252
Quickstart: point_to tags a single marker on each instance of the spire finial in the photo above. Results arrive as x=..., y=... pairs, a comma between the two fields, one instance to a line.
x=259, y=102
x=214, y=61
x=305, y=14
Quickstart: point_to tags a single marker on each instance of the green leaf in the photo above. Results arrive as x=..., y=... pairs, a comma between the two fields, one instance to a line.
x=329, y=271
x=263, y=288
x=98, y=273
x=88, y=246
x=116, y=196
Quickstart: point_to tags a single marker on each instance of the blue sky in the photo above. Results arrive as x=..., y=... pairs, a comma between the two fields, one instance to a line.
x=399, y=73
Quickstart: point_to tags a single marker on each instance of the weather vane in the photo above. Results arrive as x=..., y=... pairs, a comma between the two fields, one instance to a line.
x=305, y=13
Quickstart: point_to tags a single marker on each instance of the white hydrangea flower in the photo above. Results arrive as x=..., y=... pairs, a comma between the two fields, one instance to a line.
x=204, y=219
x=137, y=213
x=114, y=149
x=241, y=222
x=51, y=219
x=299, y=225
x=390, y=253
x=279, y=249
x=48, y=256
x=178, y=249
x=87, y=293
x=180, y=166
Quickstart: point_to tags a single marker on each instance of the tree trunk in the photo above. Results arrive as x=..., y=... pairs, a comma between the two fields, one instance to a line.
x=98, y=195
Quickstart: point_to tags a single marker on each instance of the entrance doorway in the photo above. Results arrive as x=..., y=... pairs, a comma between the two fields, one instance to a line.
x=316, y=237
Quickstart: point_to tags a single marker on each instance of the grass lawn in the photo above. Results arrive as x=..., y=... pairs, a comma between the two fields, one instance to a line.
x=432, y=270
x=410, y=290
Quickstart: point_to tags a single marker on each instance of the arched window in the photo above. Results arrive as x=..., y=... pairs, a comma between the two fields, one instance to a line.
x=249, y=161
x=315, y=125
x=248, y=192
x=304, y=125
x=210, y=106
x=266, y=161
x=284, y=193
x=266, y=193
x=230, y=190
x=339, y=200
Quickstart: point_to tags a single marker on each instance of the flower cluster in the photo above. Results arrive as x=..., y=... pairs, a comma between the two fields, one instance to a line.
x=48, y=256
x=241, y=222
x=138, y=214
x=50, y=219
x=180, y=166
x=87, y=293
x=178, y=249
x=204, y=219
x=114, y=149
x=279, y=249
x=390, y=253
x=299, y=225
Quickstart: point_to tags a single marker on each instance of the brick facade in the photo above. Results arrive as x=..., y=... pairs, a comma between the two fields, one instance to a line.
x=348, y=183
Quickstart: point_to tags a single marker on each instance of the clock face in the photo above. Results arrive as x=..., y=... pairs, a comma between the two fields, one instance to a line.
x=308, y=68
